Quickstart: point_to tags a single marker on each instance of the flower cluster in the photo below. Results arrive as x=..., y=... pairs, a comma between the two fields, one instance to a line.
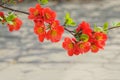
x=12, y=21
x=15, y=25
x=85, y=40
x=46, y=26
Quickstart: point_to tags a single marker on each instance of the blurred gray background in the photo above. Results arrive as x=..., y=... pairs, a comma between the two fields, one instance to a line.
x=23, y=57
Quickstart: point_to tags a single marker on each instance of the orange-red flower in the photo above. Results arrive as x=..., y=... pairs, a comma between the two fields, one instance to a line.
x=54, y=24
x=93, y=41
x=84, y=28
x=15, y=25
x=98, y=41
x=36, y=13
x=94, y=48
x=40, y=30
x=55, y=31
x=39, y=14
x=49, y=15
x=55, y=34
x=100, y=36
x=46, y=17
x=69, y=45
x=82, y=47
x=76, y=47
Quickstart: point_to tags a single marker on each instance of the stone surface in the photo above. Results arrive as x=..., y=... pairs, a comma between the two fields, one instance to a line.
x=22, y=57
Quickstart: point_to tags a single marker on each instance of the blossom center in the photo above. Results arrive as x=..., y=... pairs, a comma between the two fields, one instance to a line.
x=36, y=13
x=81, y=46
x=40, y=30
x=99, y=37
x=70, y=45
x=47, y=16
x=93, y=47
x=54, y=33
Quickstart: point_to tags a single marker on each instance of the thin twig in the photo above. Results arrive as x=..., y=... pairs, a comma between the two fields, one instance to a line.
x=14, y=10
x=113, y=27
x=71, y=32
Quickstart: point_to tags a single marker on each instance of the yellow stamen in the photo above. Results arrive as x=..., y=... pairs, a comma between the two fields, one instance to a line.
x=54, y=33
x=47, y=15
x=40, y=30
x=70, y=45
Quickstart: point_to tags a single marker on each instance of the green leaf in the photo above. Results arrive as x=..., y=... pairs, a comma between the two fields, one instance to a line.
x=10, y=17
x=98, y=29
x=73, y=24
x=116, y=24
x=43, y=1
x=69, y=21
x=105, y=26
x=84, y=37
x=10, y=22
x=67, y=16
